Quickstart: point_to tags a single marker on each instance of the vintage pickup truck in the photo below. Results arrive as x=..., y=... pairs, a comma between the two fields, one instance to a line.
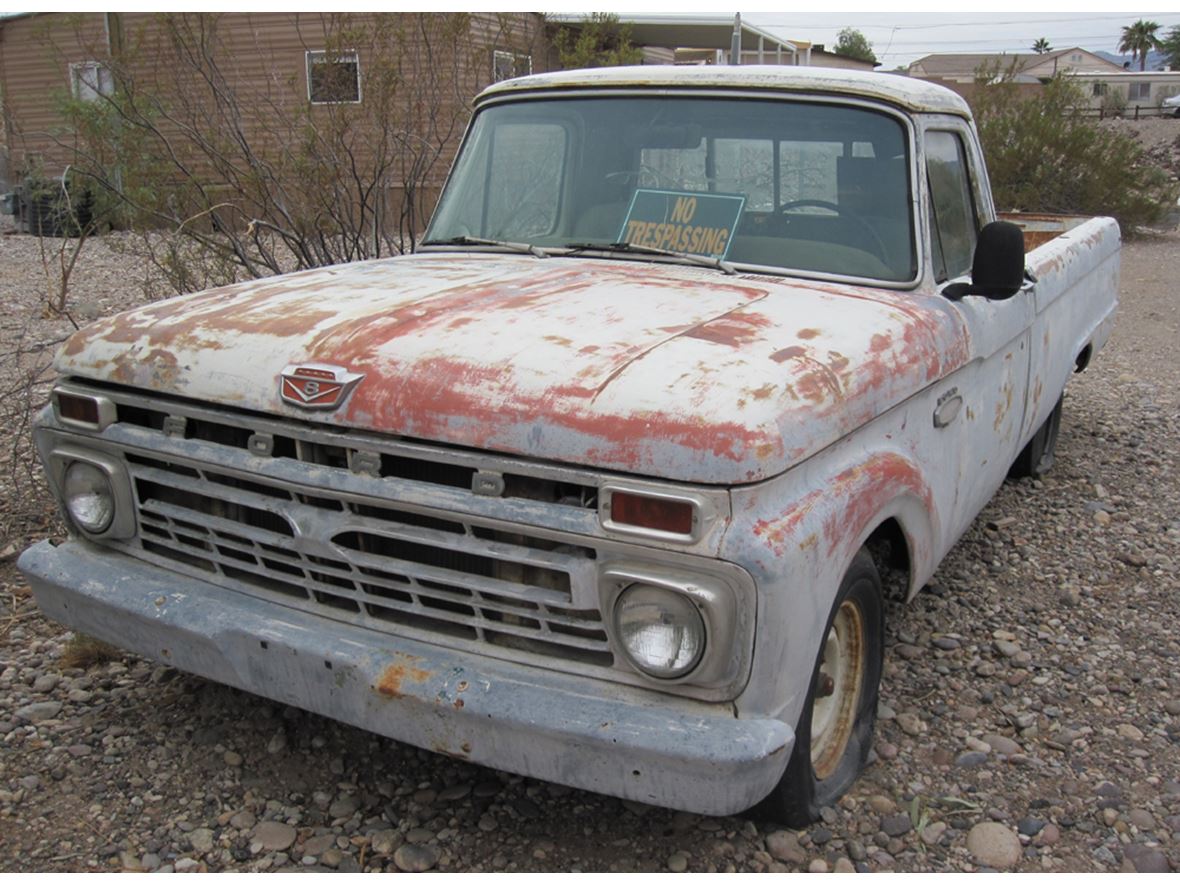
x=606, y=483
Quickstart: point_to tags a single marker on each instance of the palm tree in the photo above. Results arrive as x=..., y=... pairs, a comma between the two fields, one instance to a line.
x=1139, y=39
x=1041, y=46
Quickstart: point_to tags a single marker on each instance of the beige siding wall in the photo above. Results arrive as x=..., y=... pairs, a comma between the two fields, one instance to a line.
x=262, y=57
x=35, y=56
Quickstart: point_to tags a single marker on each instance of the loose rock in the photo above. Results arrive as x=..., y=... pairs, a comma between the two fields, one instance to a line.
x=994, y=845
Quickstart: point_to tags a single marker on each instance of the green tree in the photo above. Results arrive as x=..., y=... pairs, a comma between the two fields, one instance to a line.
x=1139, y=39
x=1041, y=46
x=1044, y=155
x=601, y=41
x=1170, y=46
x=851, y=43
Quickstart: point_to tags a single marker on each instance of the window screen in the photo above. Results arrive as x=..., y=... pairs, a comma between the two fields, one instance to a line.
x=333, y=77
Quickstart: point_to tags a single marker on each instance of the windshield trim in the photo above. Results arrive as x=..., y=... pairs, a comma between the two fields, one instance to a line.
x=593, y=91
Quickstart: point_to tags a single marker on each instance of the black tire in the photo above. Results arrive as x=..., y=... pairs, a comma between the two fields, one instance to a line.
x=810, y=783
x=1036, y=459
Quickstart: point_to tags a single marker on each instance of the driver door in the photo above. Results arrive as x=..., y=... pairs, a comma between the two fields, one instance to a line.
x=994, y=382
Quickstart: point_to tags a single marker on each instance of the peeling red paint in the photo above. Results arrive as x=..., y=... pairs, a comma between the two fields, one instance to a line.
x=564, y=362
x=788, y=353
x=848, y=502
x=865, y=490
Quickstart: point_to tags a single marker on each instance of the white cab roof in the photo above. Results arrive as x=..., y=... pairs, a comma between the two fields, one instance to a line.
x=906, y=92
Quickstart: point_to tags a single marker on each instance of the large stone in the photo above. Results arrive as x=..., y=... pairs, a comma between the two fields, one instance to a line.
x=317, y=845
x=416, y=858
x=994, y=845
x=1127, y=730
x=1147, y=860
x=784, y=846
x=345, y=806
x=39, y=712
x=1001, y=744
x=386, y=841
x=46, y=683
x=454, y=793
x=896, y=824
x=243, y=820
x=678, y=862
x=201, y=839
x=273, y=835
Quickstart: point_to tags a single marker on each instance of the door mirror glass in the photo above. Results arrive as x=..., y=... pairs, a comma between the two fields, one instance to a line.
x=997, y=271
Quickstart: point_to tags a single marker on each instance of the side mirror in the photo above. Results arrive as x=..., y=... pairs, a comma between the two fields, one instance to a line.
x=997, y=271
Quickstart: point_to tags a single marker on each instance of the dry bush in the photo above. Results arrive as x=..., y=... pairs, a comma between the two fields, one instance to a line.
x=83, y=652
x=256, y=178
x=24, y=389
x=1043, y=155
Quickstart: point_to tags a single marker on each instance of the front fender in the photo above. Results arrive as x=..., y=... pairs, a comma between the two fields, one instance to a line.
x=798, y=533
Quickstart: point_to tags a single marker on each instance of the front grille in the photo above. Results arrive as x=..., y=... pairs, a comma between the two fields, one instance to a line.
x=370, y=561
x=299, y=446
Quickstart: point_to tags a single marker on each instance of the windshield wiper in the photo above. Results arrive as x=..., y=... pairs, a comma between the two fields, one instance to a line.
x=703, y=260
x=527, y=248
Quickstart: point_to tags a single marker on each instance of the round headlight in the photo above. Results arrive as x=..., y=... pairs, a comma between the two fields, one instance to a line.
x=88, y=496
x=661, y=630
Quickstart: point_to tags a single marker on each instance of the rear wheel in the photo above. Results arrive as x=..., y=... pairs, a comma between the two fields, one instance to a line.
x=835, y=732
x=1036, y=459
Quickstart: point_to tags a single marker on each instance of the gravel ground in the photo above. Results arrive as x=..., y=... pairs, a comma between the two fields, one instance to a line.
x=1030, y=708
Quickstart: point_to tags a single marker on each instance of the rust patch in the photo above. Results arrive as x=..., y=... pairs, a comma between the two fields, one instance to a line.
x=788, y=353
x=808, y=334
x=733, y=330
x=764, y=392
x=392, y=677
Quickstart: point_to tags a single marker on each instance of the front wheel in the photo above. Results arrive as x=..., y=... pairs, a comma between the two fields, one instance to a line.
x=835, y=732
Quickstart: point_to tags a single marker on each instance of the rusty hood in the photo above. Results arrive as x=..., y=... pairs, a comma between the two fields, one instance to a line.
x=653, y=369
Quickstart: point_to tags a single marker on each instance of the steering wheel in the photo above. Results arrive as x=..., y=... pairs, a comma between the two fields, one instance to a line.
x=638, y=174
x=875, y=240
x=798, y=204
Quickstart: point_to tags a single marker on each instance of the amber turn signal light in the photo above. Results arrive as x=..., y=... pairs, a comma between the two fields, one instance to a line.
x=79, y=409
x=660, y=514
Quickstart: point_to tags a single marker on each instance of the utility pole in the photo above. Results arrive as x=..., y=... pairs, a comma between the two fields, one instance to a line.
x=735, y=44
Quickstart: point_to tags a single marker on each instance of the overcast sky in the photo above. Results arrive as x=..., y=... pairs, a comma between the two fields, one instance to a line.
x=899, y=38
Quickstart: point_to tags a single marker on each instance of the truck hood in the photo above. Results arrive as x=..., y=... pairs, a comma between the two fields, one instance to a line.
x=652, y=369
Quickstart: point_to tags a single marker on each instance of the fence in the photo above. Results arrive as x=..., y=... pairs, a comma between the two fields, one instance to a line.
x=1137, y=112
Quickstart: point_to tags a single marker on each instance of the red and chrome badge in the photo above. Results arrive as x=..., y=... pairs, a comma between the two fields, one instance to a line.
x=316, y=386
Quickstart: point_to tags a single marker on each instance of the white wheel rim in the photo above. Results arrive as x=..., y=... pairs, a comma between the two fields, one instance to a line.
x=837, y=690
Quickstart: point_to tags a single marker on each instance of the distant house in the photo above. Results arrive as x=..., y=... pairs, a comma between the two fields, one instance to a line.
x=1127, y=90
x=1103, y=83
x=708, y=40
x=1028, y=67
x=272, y=60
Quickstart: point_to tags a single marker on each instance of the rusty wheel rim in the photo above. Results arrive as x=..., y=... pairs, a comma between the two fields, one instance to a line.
x=837, y=690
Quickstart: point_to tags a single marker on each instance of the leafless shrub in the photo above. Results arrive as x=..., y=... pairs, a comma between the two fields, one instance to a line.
x=254, y=176
x=24, y=389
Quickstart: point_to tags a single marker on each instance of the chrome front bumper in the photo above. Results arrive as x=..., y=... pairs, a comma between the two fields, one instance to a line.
x=583, y=732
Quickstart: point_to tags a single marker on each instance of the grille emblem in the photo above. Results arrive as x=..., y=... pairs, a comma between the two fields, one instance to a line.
x=316, y=386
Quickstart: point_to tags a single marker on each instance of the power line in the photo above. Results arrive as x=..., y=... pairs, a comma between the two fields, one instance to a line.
x=1025, y=21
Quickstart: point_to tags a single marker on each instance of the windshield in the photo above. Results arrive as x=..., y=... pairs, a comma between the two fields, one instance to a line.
x=783, y=184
